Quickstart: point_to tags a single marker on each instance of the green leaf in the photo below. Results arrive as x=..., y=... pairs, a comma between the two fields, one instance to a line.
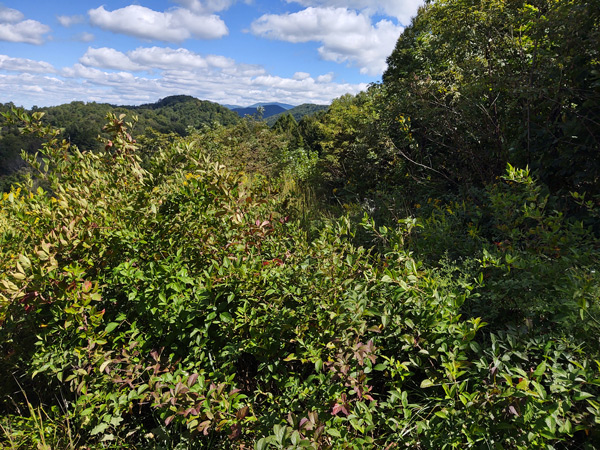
x=226, y=317
x=426, y=383
x=441, y=414
x=333, y=432
x=110, y=327
x=263, y=443
x=581, y=395
x=540, y=369
x=99, y=428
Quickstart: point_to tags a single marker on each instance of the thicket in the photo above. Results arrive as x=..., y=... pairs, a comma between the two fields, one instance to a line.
x=389, y=273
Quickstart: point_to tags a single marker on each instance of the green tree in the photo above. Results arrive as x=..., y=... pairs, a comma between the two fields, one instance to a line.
x=490, y=82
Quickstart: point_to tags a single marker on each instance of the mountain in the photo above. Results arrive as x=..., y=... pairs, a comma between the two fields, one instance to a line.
x=283, y=105
x=256, y=105
x=298, y=112
x=269, y=110
x=178, y=112
x=80, y=123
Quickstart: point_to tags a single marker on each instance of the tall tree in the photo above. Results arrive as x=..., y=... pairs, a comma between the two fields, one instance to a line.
x=487, y=82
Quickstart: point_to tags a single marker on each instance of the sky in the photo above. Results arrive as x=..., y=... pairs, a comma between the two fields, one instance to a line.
x=236, y=52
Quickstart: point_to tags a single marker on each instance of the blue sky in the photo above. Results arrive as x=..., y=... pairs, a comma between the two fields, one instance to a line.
x=228, y=51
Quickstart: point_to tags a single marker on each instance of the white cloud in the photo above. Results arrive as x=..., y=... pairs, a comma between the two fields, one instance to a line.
x=108, y=58
x=206, y=6
x=9, y=15
x=170, y=71
x=327, y=78
x=24, y=65
x=221, y=62
x=175, y=25
x=116, y=79
x=67, y=21
x=80, y=71
x=153, y=58
x=346, y=36
x=301, y=76
x=28, y=31
x=167, y=58
x=14, y=29
x=403, y=10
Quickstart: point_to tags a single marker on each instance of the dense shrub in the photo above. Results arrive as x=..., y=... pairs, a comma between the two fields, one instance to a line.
x=178, y=305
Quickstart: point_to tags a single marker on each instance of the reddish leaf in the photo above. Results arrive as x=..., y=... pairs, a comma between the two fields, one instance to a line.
x=192, y=379
x=243, y=412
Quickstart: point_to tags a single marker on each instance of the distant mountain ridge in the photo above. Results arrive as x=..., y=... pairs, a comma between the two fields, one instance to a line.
x=256, y=105
x=298, y=112
x=268, y=110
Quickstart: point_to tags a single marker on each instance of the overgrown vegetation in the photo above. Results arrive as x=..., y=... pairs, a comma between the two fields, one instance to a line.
x=389, y=273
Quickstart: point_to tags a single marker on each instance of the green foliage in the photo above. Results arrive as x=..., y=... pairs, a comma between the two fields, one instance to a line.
x=81, y=122
x=298, y=112
x=192, y=292
x=491, y=82
x=176, y=303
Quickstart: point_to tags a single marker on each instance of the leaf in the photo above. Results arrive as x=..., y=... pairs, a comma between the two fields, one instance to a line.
x=333, y=432
x=226, y=317
x=581, y=395
x=169, y=419
x=262, y=443
x=110, y=327
x=10, y=286
x=25, y=262
x=540, y=369
x=426, y=383
x=242, y=413
x=192, y=379
x=99, y=429
x=442, y=414
x=104, y=365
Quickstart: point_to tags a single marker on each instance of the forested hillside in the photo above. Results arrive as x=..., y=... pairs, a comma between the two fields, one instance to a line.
x=81, y=123
x=298, y=112
x=265, y=111
x=415, y=267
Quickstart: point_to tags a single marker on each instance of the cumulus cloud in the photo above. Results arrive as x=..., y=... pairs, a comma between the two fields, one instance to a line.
x=152, y=58
x=168, y=58
x=346, y=36
x=402, y=10
x=326, y=78
x=67, y=21
x=24, y=65
x=27, y=31
x=301, y=76
x=108, y=58
x=14, y=29
x=169, y=71
x=175, y=25
x=9, y=15
x=99, y=77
